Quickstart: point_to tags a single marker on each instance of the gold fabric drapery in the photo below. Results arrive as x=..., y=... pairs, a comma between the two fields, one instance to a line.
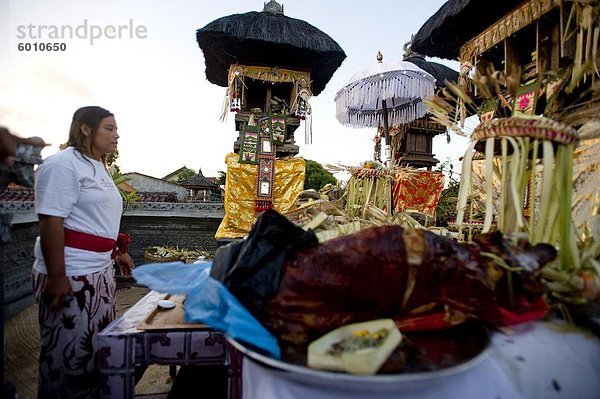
x=240, y=193
x=300, y=79
x=268, y=74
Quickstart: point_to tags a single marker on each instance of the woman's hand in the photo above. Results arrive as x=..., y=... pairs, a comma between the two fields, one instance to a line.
x=125, y=263
x=56, y=289
x=52, y=240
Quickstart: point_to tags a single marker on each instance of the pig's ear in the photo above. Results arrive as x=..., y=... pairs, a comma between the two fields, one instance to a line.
x=544, y=253
x=491, y=239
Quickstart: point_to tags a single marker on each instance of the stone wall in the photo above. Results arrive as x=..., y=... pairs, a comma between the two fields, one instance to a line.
x=188, y=233
x=16, y=261
x=187, y=225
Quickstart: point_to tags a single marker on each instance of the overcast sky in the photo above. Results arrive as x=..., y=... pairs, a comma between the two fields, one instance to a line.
x=152, y=76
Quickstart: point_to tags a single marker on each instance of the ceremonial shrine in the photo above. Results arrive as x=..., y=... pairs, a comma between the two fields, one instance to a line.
x=272, y=96
x=412, y=143
x=271, y=65
x=529, y=71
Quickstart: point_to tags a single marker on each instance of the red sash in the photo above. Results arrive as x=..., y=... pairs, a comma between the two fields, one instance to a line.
x=90, y=242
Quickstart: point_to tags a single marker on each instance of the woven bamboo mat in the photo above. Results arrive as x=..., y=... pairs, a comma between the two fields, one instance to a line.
x=22, y=348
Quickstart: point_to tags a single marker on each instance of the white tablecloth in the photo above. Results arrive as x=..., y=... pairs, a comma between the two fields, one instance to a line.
x=538, y=360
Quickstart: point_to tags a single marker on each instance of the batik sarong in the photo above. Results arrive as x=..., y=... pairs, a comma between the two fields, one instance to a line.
x=68, y=358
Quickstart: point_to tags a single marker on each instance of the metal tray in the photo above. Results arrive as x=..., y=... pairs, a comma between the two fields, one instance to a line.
x=378, y=382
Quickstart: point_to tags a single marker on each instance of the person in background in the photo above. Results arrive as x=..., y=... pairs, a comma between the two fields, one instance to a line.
x=79, y=210
x=17, y=158
x=8, y=145
x=20, y=171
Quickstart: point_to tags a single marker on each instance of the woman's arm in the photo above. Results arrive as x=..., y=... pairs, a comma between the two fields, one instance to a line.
x=52, y=240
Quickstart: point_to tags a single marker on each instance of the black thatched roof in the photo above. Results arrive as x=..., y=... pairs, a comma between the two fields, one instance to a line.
x=440, y=72
x=267, y=39
x=457, y=22
x=199, y=181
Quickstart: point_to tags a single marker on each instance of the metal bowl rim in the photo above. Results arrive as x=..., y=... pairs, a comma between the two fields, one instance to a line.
x=315, y=374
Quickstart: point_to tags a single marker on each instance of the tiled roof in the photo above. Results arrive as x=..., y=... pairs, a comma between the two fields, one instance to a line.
x=157, y=197
x=126, y=187
x=26, y=194
x=198, y=181
x=17, y=194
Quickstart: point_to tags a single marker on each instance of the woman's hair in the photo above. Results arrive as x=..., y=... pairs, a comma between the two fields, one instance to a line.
x=91, y=117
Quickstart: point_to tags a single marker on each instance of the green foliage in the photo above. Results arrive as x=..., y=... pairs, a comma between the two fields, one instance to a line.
x=129, y=199
x=185, y=174
x=222, y=177
x=111, y=161
x=446, y=208
x=317, y=176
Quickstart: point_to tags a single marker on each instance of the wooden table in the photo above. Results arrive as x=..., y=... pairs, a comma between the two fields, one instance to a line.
x=123, y=347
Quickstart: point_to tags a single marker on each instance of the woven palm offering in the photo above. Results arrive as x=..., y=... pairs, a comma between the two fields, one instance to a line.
x=307, y=211
x=172, y=254
x=532, y=127
x=326, y=218
x=369, y=185
x=531, y=160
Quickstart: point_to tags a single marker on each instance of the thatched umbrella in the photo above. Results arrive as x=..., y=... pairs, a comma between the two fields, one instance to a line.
x=457, y=22
x=268, y=38
x=383, y=95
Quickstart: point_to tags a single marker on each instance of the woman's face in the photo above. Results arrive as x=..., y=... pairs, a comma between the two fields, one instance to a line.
x=106, y=139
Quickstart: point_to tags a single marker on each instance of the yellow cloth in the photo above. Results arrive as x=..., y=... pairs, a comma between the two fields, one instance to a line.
x=240, y=193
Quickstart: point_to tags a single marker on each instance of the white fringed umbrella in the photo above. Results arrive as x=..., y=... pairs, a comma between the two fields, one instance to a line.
x=385, y=94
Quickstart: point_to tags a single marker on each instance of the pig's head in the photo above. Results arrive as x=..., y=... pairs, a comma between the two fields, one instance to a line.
x=515, y=290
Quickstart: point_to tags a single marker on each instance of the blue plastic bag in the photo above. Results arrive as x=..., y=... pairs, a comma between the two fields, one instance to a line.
x=208, y=302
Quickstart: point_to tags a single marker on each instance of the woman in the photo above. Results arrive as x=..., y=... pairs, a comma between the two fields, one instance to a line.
x=79, y=209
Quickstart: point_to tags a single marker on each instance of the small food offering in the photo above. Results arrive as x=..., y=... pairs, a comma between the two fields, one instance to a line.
x=360, y=348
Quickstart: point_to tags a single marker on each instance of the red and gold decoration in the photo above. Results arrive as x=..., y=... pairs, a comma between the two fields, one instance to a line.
x=398, y=189
x=417, y=191
x=266, y=175
x=240, y=195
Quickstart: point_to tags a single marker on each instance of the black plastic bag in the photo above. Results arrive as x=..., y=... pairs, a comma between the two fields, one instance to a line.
x=251, y=268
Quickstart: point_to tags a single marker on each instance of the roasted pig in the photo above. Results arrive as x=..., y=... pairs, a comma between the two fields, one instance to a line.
x=400, y=273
